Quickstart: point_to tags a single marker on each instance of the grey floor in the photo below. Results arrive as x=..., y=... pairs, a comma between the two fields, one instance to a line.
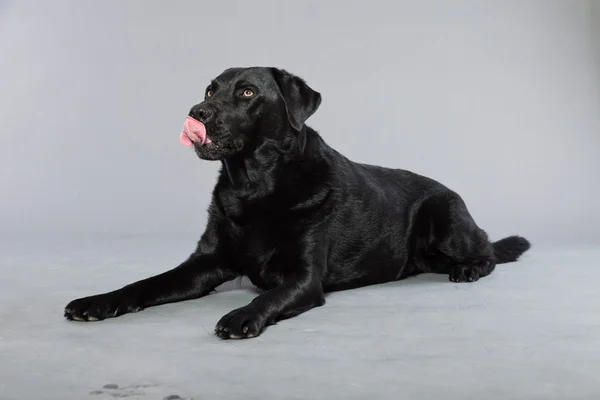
x=529, y=331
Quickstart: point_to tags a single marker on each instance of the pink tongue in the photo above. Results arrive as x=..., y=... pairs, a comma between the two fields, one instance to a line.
x=193, y=131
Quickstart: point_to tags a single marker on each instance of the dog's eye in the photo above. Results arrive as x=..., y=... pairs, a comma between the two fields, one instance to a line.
x=248, y=93
x=209, y=93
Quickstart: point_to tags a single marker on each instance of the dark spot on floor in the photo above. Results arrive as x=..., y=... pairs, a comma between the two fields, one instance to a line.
x=142, y=386
x=95, y=392
x=111, y=386
x=173, y=397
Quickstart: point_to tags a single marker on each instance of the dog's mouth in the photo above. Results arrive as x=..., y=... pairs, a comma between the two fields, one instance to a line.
x=194, y=132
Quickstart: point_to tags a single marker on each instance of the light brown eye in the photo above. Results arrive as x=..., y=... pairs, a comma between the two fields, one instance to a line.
x=209, y=93
x=248, y=93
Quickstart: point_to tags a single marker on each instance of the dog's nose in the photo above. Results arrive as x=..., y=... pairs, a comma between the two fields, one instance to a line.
x=202, y=114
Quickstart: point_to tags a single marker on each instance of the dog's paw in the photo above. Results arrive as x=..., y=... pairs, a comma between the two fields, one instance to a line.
x=243, y=323
x=102, y=306
x=461, y=273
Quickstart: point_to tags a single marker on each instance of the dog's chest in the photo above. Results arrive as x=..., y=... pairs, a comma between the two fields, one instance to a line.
x=262, y=233
x=257, y=255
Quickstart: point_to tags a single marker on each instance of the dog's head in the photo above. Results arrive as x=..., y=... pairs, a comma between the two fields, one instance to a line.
x=245, y=107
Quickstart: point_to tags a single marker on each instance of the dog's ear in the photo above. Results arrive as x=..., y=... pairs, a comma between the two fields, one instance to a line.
x=300, y=100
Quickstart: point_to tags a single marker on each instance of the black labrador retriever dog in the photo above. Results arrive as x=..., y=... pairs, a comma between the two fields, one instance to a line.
x=298, y=218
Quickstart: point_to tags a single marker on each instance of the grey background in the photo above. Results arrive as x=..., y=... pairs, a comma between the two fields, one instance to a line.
x=500, y=100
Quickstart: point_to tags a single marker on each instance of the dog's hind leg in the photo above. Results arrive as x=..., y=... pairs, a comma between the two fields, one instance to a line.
x=450, y=242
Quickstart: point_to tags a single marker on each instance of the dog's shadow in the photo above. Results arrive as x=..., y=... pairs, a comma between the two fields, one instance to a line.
x=422, y=281
x=242, y=283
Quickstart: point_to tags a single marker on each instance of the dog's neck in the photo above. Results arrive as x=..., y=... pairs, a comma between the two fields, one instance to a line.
x=254, y=175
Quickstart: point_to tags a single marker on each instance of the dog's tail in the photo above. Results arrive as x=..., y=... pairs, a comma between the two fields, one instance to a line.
x=510, y=248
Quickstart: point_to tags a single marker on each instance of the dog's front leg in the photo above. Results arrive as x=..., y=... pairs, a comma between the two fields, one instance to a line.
x=298, y=293
x=194, y=278
x=197, y=276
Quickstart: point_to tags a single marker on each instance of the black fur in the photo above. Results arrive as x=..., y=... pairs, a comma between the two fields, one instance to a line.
x=299, y=219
